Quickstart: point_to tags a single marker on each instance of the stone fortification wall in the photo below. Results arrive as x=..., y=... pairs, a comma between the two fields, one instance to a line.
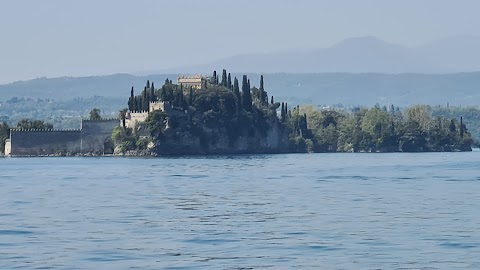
x=97, y=135
x=44, y=142
x=135, y=117
x=94, y=137
x=162, y=106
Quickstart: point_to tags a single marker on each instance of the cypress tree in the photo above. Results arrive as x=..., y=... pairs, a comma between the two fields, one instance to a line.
x=148, y=84
x=462, y=131
x=145, y=101
x=224, y=78
x=286, y=109
x=246, y=95
x=152, y=94
x=190, y=96
x=137, y=104
x=305, y=119
x=262, y=92
x=131, y=99
x=271, y=101
x=282, y=113
x=236, y=92
x=229, y=81
x=214, y=77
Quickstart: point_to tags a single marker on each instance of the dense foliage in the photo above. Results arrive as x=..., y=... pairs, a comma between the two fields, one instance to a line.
x=28, y=124
x=376, y=130
x=470, y=114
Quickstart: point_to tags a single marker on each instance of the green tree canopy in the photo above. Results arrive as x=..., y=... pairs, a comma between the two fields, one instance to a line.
x=95, y=114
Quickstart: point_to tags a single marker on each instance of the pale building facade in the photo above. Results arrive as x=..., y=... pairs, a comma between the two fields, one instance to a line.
x=196, y=81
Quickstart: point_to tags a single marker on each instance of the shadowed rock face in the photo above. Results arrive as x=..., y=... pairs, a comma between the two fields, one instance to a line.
x=181, y=141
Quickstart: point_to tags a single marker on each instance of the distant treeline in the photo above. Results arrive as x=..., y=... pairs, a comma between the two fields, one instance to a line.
x=376, y=130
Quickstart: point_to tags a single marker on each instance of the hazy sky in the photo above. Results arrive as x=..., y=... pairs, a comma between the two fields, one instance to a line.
x=91, y=37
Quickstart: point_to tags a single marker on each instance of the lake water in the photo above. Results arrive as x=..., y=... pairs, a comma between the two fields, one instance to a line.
x=310, y=211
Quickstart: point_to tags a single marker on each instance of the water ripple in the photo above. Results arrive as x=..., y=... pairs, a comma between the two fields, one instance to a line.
x=338, y=211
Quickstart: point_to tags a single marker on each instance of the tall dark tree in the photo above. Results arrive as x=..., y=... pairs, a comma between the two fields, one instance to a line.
x=145, y=100
x=236, y=92
x=286, y=109
x=151, y=94
x=229, y=81
x=148, y=84
x=246, y=95
x=271, y=101
x=462, y=131
x=224, y=78
x=214, y=77
x=282, y=112
x=190, y=96
x=131, y=100
x=262, y=93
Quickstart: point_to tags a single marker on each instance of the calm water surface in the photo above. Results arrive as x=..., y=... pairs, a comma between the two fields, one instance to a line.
x=312, y=211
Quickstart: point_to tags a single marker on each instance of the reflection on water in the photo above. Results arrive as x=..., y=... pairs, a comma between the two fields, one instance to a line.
x=314, y=211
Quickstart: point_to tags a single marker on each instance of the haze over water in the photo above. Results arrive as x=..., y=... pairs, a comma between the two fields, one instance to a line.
x=310, y=211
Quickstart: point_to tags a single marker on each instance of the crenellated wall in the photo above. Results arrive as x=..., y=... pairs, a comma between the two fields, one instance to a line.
x=133, y=117
x=44, y=142
x=94, y=137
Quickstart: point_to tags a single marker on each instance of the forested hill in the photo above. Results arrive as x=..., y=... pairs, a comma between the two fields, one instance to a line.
x=66, y=88
x=324, y=88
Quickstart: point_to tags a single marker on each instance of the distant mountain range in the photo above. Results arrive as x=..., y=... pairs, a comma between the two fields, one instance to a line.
x=319, y=88
x=358, y=55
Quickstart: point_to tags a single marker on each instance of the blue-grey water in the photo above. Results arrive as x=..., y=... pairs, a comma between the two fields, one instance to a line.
x=311, y=211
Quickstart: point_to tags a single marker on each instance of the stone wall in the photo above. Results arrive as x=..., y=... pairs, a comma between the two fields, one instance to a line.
x=135, y=117
x=94, y=137
x=44, y=142
x=8, y=147
x=97, y=135
x=163, y=106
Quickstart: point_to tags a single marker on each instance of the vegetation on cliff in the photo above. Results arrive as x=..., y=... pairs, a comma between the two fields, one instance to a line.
x=218, y=119
x=224, y=118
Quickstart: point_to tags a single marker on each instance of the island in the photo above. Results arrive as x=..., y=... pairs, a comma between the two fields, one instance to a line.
x=218, y=114
x=214, y=115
